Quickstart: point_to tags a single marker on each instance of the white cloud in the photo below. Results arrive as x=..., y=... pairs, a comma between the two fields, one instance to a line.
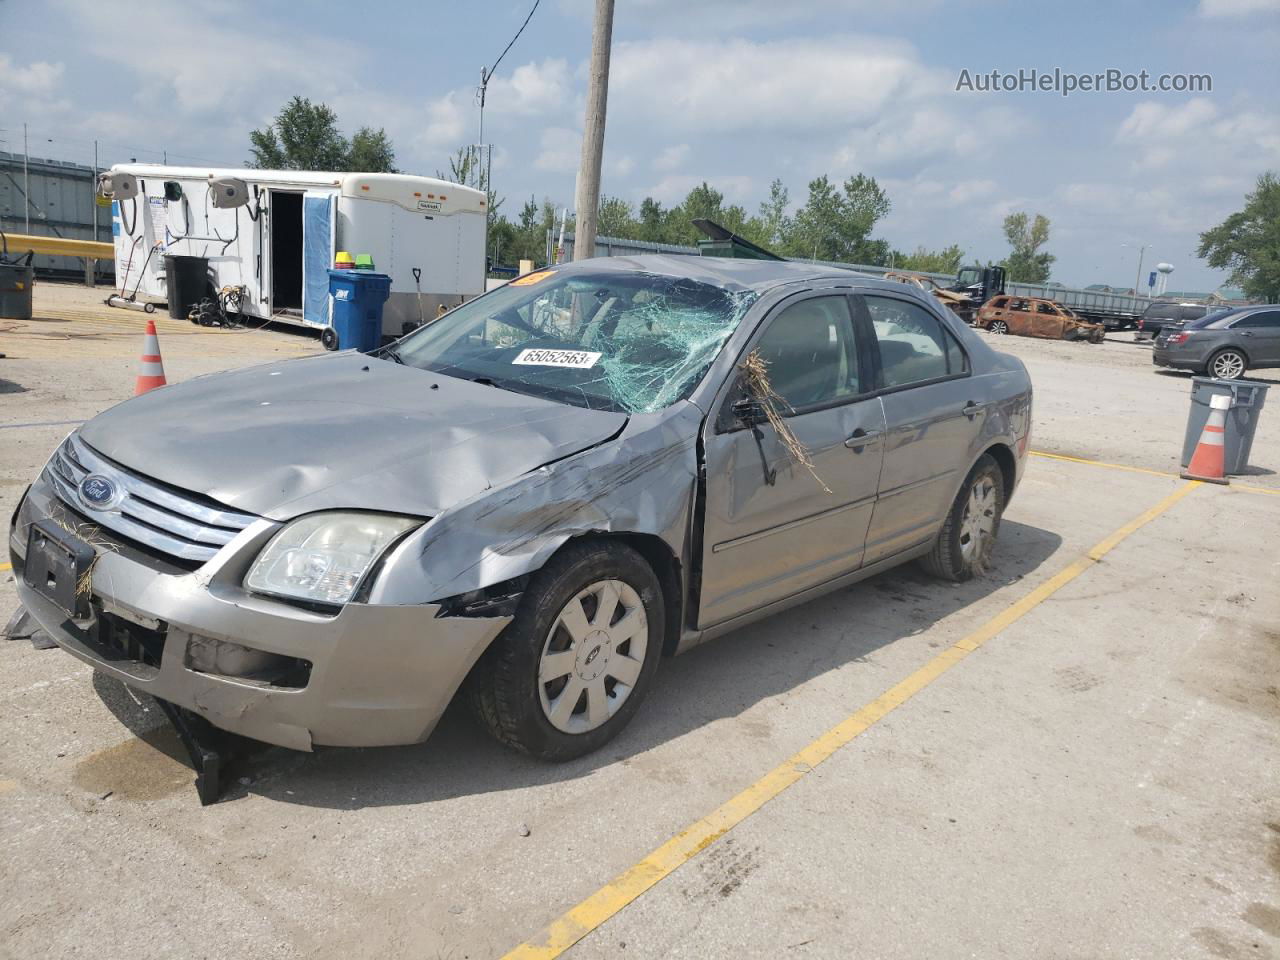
x=671, y=157
x=674, y=188
x=1237, y=8
x=532, y=89
x=711, y=87
x=560, y=150
x=1197, y=137
x=39, y=78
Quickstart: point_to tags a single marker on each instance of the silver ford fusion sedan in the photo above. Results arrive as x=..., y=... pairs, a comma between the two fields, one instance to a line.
x=530, y=500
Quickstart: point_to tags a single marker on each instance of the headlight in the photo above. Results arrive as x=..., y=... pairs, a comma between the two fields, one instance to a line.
x=323, y=556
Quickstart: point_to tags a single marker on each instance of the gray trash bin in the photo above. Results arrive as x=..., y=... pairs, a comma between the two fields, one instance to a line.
x=16, y=278
x=1247, y=399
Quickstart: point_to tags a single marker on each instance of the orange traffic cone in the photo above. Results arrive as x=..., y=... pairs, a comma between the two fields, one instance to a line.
x=151, y=368
x=1208, y=462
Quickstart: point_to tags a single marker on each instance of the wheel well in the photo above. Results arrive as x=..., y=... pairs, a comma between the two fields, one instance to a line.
x=1003, y=456
x=667, y=568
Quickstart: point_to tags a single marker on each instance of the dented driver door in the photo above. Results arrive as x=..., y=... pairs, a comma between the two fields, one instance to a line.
x=773, y=526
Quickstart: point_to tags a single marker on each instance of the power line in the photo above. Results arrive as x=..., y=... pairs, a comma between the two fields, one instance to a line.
x=515, y=38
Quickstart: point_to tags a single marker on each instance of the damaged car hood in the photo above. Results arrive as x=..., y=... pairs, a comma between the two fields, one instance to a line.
x=341, y=431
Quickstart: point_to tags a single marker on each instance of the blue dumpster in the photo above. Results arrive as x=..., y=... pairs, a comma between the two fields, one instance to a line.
x=358, y=296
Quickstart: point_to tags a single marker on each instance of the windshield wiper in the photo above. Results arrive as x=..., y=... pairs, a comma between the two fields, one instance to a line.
x=389, y=352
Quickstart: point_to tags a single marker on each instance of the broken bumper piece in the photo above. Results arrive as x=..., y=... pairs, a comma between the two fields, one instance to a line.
x=361, y=675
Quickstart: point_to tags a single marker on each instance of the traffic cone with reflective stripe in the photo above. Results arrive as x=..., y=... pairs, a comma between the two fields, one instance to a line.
x=151, y=368
x=1208, y=462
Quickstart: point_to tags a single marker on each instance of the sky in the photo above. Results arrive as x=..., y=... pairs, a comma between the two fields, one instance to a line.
x=733, y=92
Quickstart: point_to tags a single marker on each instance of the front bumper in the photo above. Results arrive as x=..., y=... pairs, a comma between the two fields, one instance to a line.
x=379, y=674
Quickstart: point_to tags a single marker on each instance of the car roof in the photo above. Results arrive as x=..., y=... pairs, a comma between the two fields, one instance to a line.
x=729, y=273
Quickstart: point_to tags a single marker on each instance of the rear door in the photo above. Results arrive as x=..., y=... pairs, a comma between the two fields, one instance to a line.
x=1259, y=335
x=933, y=416
x=318, y=228
x=774, y=527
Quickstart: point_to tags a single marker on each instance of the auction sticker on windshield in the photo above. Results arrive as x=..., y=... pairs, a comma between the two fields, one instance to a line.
x=581, y=359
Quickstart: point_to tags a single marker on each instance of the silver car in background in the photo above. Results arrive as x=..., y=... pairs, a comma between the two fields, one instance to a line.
x=532, y=499
x=1224, y=344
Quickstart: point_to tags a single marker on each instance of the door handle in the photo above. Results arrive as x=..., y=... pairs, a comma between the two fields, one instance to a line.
x=863, y=438
x=971, y=409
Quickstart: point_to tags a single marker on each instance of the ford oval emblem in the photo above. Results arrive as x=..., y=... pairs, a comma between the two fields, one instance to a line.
x=98, y=492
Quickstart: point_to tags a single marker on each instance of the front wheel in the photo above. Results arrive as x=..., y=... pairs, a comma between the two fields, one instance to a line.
x=967, y=539
x=999, y=326
x=571, y=669
x=1228, y=365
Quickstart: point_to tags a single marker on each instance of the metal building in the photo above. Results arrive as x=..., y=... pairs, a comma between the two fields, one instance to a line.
x=61, y=204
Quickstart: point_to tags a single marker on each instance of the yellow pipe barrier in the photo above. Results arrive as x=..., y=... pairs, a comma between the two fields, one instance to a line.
x=59, y=247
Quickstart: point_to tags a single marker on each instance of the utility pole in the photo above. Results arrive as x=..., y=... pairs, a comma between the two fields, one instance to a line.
x=587, y=199
x=1137, y=283
x=26, y=181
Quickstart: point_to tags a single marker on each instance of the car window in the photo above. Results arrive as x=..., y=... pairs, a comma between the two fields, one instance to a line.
x=617, y=340
x=1269, y=319
x=1193, y=313
x=810, y=354
x=1046, y=308
x=1162, y=311
x=914, y=346
x=1000, y=302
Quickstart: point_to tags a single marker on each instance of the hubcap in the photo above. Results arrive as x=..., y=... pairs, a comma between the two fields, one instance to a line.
x=1228, y=366
x=592, y=657
x=978, y=523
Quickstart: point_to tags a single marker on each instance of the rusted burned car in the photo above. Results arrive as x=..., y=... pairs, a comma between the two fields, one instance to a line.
x=1032, y=317
x=533, y=499
x=957, y=303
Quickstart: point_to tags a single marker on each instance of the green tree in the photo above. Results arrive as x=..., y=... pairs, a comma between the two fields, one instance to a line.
x=931, y=261
x=616, y=219
x=1248, y=242
x=773, y=220
x=466, y=167
x=305, y=136
x=371, y=152
x=654, y=222
x=836, y=222
x=1026, y=262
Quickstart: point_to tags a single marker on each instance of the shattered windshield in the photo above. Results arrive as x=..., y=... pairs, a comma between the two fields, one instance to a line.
x=628, y=342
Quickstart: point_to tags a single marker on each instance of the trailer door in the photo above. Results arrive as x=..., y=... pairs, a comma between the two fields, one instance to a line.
x=318, y=224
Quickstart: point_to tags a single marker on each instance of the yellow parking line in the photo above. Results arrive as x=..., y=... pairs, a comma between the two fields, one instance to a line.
x=6, y=566
x=1246, y=487
x=622, y=890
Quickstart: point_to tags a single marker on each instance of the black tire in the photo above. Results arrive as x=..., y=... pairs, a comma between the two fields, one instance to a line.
x=149, y=308
x=1227, y=356
x=949, y=557
x=503, y=689
x=999, y=327
x=329, y=338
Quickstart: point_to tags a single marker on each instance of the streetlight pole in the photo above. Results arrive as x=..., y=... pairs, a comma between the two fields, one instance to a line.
x=587, y=199
x=1137, y=280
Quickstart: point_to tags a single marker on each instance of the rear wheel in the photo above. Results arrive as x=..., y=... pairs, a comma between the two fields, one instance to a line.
x=329, y=338
x=1228, y=364
x=999, y=326
x=571, y=669
x=967, y=540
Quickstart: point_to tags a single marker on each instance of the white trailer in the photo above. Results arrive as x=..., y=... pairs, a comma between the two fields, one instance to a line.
x=279, y=240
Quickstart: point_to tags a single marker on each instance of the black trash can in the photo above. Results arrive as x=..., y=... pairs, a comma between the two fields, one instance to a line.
x=16, y=279
x=186, y=279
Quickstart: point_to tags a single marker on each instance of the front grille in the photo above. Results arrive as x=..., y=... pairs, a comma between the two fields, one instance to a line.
x=172, y=522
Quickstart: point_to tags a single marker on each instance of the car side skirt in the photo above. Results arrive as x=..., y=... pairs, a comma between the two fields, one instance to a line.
x=691, y=638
